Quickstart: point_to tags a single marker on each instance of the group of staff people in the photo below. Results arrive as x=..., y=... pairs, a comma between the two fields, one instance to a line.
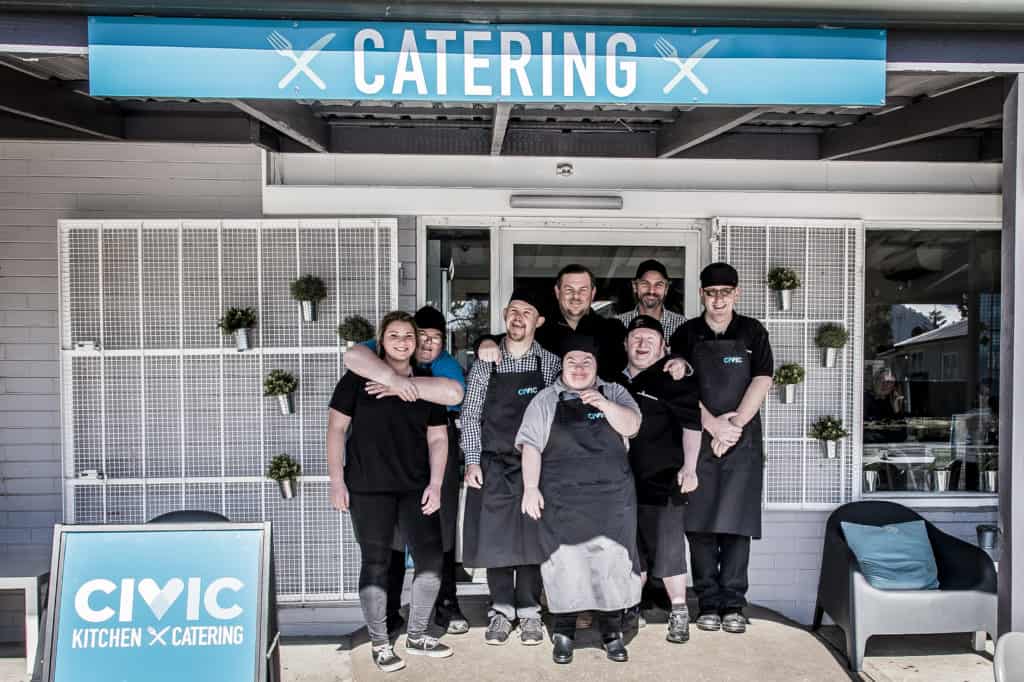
x=591, y=445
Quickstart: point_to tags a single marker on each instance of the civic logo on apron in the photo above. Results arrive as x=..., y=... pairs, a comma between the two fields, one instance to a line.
x=529, y=390
x=732, y=360
x=595, y=415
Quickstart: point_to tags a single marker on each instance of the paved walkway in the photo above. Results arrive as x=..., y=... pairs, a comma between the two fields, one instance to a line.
x=773, y=650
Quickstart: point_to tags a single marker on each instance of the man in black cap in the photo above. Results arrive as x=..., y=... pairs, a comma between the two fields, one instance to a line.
x=663, y=456
x=650, y=286
x=430, y=354
x=496, y=535
x=575, y=289
x=732, y=358
x=578, y=484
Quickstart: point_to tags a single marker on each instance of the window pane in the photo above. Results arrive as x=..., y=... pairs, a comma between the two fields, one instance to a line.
x=459, y=282
x=931, y=354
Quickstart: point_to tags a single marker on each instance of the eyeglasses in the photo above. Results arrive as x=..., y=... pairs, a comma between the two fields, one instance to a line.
x=726, y=292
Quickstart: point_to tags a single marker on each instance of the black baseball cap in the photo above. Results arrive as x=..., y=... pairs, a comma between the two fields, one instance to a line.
x=580, y=342
x=645, y=322
x=429, y=317
x=649, y=265
x=719, y=275
x=526, y=296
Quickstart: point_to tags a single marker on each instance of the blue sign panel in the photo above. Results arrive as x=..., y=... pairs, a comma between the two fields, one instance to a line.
x=159, y=606
x=226, y=58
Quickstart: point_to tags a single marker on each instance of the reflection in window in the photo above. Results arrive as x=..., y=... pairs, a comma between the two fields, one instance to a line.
x=459, y=283
x=931, y=355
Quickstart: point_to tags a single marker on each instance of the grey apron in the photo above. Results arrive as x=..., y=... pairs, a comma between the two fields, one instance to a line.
x=728, y=494
x=496, y=533
x=588, y=524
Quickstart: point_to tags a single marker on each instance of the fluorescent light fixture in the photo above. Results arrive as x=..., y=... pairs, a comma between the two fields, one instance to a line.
x=608, y=202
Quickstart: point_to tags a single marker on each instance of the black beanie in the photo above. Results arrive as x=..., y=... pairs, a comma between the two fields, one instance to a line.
x=526, y=296
x=429, y=317
x=719, y=275
x=581, y=342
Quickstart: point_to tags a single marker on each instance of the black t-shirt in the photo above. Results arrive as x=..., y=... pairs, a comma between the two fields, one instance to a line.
x=747, y=329
x=656, y=452
x=387, y=444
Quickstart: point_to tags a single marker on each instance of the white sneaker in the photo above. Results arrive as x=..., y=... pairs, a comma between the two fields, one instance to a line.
x=386, y=658
x=427, y=646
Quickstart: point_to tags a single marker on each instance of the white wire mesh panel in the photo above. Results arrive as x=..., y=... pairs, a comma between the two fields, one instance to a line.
x=89, y=503
x=745, y=251
x=200, y=287
x=243, y=392
x=163, y=416
x=823, y=474
x=358, y=294
x=82, y=284
x=787, y=248
x=319, y=376
x=280, y=432
x=87, y=414
x=322, y=542
x=785, y=471
x=125, y=503
x=120, y=288
x=782, y=420
x=317, y=252
x=827, y=260
x=122, y=386
x=205, y=497
x=239, y=272
x=287, y=538
x=201, y=401
x=384, y=266
x=279, y=314
x=243, y=502
x=162, y=498
x=161, y=327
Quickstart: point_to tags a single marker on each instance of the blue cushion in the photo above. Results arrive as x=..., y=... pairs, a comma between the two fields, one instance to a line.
x=894, y=557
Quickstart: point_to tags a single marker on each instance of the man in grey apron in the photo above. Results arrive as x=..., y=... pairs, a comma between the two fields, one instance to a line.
x=733, y=362
x=577, y=482
x=670, y=427
x=496, y=534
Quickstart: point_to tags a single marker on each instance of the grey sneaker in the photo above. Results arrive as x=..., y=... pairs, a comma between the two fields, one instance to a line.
x=734, y=622
x=678, y=626
x=386, y=658
x=531, y=631
x=498, y=629
x=427, y=646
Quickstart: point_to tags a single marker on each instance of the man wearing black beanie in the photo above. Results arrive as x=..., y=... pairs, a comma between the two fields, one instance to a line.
x=733, y=362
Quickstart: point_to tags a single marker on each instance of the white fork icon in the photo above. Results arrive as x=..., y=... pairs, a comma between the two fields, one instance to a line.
x=283, y=47
x=669, y=54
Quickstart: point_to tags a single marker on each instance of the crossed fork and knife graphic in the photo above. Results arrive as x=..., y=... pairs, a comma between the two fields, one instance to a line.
x=669, y=54
x=283, y=47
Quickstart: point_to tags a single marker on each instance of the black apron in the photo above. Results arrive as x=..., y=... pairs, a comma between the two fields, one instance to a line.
x=450, y=486
x=728, y=494
x=655, y=454
x=496, y=533
x=588, y=524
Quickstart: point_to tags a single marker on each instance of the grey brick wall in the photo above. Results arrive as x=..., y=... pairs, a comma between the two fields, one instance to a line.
x=40, y=184
x=407, y=259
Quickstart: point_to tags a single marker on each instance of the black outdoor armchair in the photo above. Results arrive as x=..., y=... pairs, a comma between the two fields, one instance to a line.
x=964, y=602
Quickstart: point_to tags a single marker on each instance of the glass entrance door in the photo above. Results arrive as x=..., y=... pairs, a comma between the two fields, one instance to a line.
x=532, y=258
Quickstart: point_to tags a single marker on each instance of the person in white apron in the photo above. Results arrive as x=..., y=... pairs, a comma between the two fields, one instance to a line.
x=578, y=483
x=733, y=362
x=496, y=534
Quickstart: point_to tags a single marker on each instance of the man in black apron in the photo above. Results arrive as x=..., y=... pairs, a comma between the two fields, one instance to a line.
x=430, y=355
x=577, y=482
x=733, y=362
x=496, y=534
x=670, y=427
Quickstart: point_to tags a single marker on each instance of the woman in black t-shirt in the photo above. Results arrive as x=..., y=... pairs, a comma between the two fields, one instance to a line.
x=389, y=472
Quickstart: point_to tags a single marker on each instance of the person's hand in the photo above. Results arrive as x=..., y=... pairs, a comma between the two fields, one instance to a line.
x=488, y=351
x=718, y=447
x=406, y=391
x=687, y=480
x=593, y=397
x=533, y=502
x=474, y=476
x=678, y=368
x=723, y=429
x=339, y=495
x=431, y=500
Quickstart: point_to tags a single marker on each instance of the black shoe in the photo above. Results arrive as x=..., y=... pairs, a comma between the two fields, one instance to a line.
x=616, y=650
x=395, y=624
x=632, y=621
x=449, y=617
x=561, y=652
x=427, y=646
x=531, y=631
x=498, y=630
x=678, y=626
x=711, y=622
x=734, y=622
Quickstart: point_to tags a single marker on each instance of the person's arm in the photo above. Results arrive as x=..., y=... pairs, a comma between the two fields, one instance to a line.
x=362, y=360
x=486, y=347
x=470, y=419
x=337, y=426
x=762, y=369
x=533, y=501
x=437, y=445
x=752, y=401
x=439, y=390
x=720, y=427
x=687, y=477
x=620, y=410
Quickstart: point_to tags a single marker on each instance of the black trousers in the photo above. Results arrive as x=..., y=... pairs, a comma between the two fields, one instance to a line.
x=515, y=591
x=609, y=623
x=720, y=562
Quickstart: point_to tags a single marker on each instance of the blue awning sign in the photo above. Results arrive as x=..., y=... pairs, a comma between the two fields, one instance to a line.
x=261, y=59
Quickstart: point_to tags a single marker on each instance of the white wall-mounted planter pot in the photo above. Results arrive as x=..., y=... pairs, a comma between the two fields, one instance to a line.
x=287, y=487
x=785, y=299
x=830, y=357
x=788, y=394
x=242, y=339
x=309, y=311
x=286, y=403
x=830, y=448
